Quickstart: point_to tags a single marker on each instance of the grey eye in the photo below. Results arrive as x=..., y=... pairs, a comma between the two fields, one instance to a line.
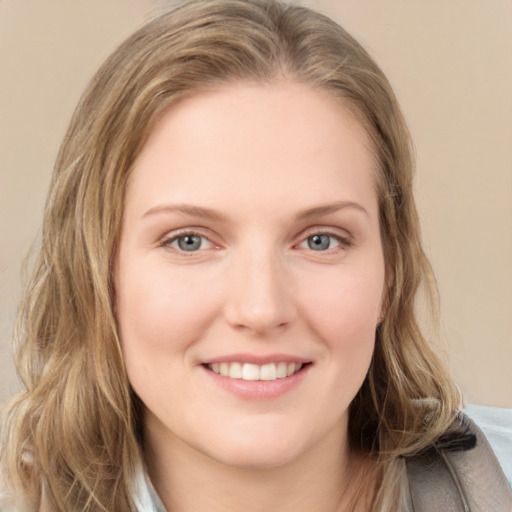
x=189, y=243
x=319, y=242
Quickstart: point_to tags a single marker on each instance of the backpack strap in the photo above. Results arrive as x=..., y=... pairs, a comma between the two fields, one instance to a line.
x=457, y=477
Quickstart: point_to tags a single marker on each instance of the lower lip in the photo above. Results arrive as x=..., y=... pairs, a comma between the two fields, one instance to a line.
x=259, y=389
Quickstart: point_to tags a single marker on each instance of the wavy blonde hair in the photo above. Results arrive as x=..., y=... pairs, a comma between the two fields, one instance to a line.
x=75, y=430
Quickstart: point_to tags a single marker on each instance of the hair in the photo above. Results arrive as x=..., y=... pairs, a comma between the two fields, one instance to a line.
x=75, y=430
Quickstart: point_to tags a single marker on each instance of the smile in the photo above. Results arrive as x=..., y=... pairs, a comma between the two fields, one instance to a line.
x=250, y=371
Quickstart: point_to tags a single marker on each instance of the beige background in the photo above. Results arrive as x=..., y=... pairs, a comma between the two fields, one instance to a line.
x=450, y=64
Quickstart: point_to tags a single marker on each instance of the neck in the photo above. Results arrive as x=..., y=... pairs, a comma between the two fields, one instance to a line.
x=327, y=478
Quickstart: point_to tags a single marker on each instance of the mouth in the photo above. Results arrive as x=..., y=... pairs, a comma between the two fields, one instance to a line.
x=254, y=372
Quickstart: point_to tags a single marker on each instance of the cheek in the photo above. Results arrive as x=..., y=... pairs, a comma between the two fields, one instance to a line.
x=345, y=303
x=158, y=309
x=343, y=309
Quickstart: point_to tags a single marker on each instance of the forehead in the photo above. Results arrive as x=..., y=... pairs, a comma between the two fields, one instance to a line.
x=253, y=140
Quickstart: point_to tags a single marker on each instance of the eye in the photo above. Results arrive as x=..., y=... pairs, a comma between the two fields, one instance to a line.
x=188, y=242
x=321, y=242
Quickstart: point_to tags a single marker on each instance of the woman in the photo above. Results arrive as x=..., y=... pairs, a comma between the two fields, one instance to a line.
x=224, y=298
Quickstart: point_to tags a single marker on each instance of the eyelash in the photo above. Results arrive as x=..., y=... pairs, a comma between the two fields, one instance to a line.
x=168, y=241
x=345, y=242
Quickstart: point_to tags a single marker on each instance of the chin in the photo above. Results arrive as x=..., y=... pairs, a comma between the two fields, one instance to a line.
x=256, y=457
x=258, y=450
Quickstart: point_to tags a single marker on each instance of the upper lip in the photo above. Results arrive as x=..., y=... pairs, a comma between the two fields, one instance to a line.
x=257, y=359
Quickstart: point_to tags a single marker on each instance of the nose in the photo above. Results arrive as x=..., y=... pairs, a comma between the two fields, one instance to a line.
x=260, y=296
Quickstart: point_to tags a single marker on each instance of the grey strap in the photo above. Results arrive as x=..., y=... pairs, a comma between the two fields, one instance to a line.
x=459, y=480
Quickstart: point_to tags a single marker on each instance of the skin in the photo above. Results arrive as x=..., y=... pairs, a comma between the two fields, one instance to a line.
x=266, y=159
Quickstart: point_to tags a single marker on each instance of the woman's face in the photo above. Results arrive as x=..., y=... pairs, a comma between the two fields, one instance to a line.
x=250, y=274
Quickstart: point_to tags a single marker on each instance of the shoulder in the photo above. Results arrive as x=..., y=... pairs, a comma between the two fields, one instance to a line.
x=460, y=471
x=496, y=425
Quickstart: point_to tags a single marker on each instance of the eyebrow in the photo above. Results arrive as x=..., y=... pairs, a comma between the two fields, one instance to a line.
x=319, y=211
x=210, y=214
x=193, y=211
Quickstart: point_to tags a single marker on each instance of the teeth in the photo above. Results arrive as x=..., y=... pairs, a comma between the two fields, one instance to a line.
x=224, y=369
x=249, y=371
x=268, y=372
x=281, y=370
x=235, y=371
